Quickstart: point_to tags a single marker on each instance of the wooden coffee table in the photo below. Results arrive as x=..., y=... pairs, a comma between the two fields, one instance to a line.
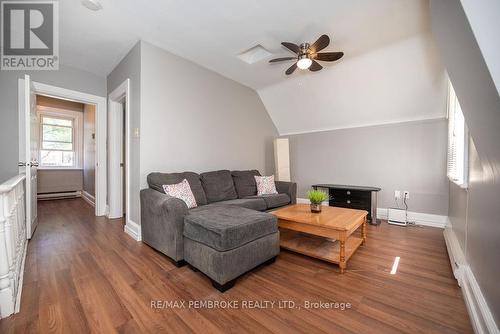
x=327, y=235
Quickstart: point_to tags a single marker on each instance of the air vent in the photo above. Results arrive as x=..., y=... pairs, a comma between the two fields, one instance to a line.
x=254, y=54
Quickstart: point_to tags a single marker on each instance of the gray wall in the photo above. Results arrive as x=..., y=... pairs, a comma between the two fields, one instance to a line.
x=195, y=119
x=130, y=68
x=480, y=102
x=89, y=149
x=406, y=156
x=66, y=77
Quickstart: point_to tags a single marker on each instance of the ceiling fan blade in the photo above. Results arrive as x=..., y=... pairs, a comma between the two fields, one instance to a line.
x=328, y=56
x=320, y=44
x=315, y=66
x=282, y=59
x=291, y=69
x=292, y=47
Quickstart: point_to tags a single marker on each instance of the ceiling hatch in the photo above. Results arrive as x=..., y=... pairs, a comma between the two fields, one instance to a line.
x=254, y=54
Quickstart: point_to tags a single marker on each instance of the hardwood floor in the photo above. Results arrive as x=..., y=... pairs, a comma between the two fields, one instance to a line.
x=84, y=274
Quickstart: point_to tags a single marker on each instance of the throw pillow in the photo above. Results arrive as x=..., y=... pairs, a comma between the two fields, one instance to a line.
x=265, y=185
x=182, y=191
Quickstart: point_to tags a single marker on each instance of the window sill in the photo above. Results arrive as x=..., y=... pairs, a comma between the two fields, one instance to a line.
x=463, y=186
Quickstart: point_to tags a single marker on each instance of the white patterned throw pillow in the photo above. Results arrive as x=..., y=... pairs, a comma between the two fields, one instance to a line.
x=265, y=185
x=182, y=191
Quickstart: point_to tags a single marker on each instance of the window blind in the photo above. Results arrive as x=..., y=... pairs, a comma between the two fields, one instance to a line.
x=457, y=141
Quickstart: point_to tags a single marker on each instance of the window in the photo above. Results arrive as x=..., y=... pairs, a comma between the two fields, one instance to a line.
x=57, y=142
x=457, y=141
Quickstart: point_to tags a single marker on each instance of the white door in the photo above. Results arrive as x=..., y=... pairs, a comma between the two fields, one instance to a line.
x=116, y=159
x=28, y=150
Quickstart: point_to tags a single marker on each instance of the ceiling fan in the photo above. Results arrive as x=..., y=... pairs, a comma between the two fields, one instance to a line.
x=307, y=55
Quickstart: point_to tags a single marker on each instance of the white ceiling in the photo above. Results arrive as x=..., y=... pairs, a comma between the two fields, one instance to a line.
x=213, y=33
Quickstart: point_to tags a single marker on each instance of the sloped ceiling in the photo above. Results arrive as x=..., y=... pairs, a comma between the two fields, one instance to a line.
x=400, y=82
x=214, y=33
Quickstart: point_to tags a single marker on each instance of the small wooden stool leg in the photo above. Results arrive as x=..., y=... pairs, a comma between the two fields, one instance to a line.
x=363, y=232
x=342, y=263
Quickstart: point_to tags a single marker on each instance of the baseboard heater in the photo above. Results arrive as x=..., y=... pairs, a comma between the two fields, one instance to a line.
x=59, y=195
x=397, y=216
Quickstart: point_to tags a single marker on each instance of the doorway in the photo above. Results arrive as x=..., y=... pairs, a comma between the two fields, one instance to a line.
x=119, y=153
x=66, y=149
x=29, y=127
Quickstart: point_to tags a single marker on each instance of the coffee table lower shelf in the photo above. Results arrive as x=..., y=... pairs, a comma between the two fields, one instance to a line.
x=318, y=247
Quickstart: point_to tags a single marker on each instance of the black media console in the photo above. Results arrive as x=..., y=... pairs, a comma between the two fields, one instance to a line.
x=353, y=197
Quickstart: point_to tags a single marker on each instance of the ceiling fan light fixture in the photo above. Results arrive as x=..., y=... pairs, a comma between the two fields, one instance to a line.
x=304, y=63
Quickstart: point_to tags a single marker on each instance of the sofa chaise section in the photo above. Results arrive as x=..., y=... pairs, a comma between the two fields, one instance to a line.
x=226, y=241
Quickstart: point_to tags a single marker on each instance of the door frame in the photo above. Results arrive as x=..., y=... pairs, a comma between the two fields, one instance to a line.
x=115, y=101
x=100, y=135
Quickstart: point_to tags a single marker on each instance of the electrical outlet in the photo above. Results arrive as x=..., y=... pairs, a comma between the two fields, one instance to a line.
x=406, y=194
x=397, y=194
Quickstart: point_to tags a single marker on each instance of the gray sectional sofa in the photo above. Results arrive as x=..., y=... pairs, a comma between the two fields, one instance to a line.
x=227, y=234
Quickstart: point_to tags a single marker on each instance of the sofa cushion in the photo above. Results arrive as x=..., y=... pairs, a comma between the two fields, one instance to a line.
x=181, y=191
x=250, y=203
x=226, y=227
x=244, y=182
x=265, y=185
x=274, y=200
x=218, y=186
x=157, y=180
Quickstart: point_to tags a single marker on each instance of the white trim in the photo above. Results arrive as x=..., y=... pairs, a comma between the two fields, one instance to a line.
x=133, y=229
x=101, y=128
x=479, y=312
x=419, y=218
x=115, y=99
x=366, y=125
x=88, y=198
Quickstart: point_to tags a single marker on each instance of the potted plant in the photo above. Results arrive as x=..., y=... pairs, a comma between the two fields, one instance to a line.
x=316, y=197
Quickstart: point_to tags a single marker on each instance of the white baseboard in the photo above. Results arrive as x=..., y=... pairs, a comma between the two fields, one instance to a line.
x=133, y=229
x=419, y=218
x=425, y=219
x=479, y=312
x=88, y=198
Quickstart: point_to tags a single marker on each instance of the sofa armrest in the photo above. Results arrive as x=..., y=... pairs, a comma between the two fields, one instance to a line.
x=289, y=188
x=162, y=222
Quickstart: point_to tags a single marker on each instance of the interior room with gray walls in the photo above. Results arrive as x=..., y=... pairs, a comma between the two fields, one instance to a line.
x=376, y=117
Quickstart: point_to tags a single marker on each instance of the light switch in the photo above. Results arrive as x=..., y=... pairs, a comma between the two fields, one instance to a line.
x=136, y=132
